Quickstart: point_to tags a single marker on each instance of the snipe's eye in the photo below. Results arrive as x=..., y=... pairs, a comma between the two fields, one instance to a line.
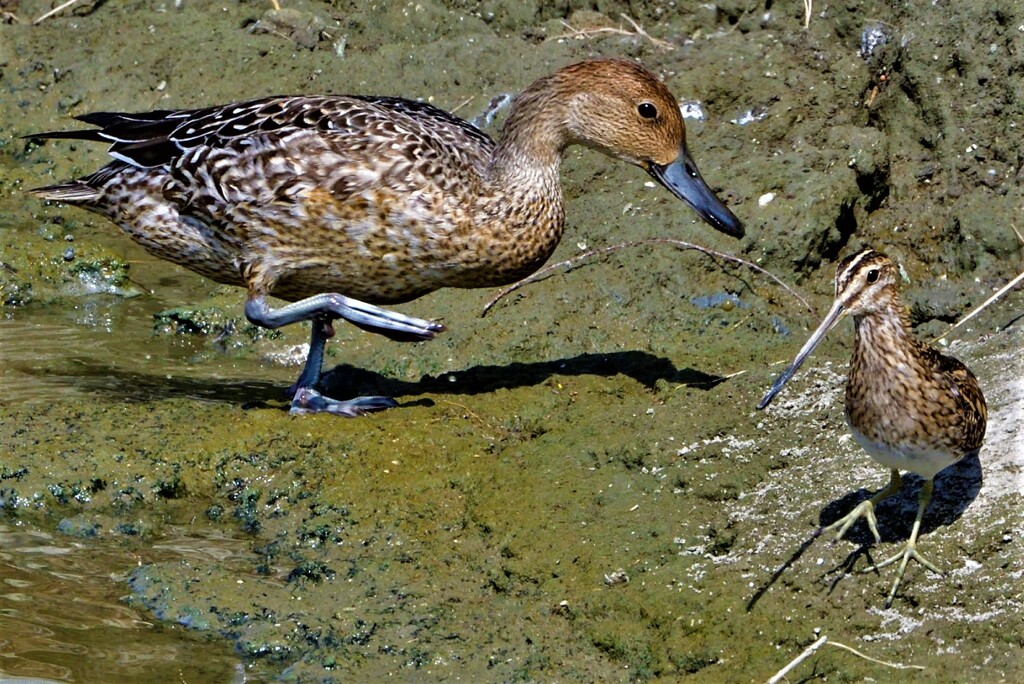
x=873, y=275
x=647, y=110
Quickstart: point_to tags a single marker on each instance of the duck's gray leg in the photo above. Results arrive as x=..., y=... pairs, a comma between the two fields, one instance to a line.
x=330, y=306
x=321, y=310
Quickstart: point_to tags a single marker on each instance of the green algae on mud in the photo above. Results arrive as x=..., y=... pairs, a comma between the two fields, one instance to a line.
x=592, y=423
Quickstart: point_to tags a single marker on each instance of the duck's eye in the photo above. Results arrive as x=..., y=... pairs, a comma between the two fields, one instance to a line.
x=647, y=110
x=873, y=275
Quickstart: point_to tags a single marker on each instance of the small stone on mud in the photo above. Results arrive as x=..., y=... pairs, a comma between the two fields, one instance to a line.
x=305, y=28
x=78, y=526
x=617, y=577
x=873, y=37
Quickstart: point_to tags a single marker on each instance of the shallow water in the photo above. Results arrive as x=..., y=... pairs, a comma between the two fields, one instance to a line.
x=53, y=357
x=63, y=617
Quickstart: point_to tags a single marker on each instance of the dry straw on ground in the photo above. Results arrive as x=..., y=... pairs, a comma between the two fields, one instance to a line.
x=637, y=32
x=781, y=674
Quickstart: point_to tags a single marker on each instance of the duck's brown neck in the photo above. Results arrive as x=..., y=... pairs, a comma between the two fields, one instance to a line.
x=518, y=217
x=532, y=141
x=521, y=206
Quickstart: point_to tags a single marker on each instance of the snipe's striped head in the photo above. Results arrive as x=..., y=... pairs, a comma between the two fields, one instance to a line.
x=865, y=283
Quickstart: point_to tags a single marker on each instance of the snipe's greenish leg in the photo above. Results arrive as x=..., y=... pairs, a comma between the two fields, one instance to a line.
x=866, y=509
x=910, y=407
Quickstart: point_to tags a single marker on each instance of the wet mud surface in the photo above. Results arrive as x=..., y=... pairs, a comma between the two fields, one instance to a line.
x=576, y=487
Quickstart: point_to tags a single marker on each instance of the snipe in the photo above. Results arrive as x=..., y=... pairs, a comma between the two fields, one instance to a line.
x=910, y=407
x=338, y=203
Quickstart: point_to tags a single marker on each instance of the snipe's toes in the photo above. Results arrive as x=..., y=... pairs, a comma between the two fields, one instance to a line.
x=908, y=553
x=865, y=509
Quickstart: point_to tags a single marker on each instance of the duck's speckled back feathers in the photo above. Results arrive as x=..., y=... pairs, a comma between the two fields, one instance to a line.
x=160, y=137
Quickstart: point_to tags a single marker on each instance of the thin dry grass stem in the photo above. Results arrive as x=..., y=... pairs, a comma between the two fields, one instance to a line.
x=275, y=5
x=808, y=8
x=56, y=10
x=462, y=104
x=678, y=244
x=714, y=381
x=809, y=651
x=740, y=322
x=1003, y=290
x=895, y=666
x=638, y=30
x=468, y=413
x=1020, y=238
x=663, y=44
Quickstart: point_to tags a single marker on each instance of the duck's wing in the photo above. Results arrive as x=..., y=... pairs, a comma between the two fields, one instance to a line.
x=437, y=122
x=159, y=138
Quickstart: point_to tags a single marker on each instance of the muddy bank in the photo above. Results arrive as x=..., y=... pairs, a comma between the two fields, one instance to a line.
x=577, y=486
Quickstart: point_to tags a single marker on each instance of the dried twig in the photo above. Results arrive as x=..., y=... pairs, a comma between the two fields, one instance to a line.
x=1003, y=290
x=679, y=244
x=821, y=642
x=808, y=8
x=895, y=666
x=638, y=30
x=799, y=659
x=663, y=44
x=462, y=104
x=469, y=413
x=56, y=10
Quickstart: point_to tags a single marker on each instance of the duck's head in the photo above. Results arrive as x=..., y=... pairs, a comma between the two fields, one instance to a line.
x=623, y=110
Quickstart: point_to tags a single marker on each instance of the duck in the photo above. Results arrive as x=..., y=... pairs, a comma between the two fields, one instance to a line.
x=341, y=204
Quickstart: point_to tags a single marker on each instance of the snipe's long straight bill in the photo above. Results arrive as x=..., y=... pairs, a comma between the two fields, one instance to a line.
x=683, y=180
x=835, y=315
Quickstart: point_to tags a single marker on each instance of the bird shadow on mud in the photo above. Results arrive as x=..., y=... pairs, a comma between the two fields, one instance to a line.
x=956, y=488
x=646, y=369
x=346, y=381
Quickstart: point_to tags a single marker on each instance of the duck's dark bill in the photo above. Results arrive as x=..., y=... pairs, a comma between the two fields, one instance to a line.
x=683, y=180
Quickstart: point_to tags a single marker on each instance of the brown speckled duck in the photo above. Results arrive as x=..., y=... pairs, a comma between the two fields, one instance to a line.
x=338, y=203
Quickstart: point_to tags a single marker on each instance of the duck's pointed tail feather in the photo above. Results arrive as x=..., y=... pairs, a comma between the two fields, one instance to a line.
x=72, y=192
x=93, y=134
